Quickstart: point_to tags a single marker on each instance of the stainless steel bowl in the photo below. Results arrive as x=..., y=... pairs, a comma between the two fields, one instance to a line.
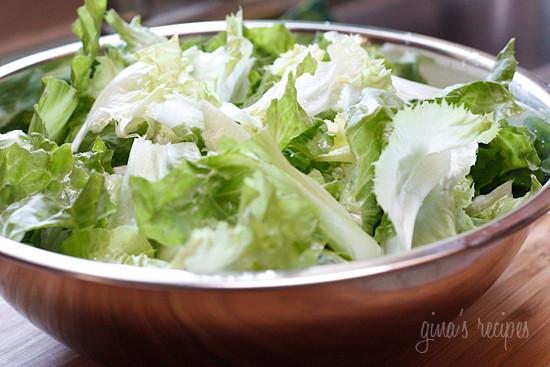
x=347, y=314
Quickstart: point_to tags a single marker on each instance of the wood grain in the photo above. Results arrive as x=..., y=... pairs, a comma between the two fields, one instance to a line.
x=521, y=295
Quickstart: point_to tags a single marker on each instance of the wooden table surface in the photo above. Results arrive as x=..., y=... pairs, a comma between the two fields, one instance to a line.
x=519, y=299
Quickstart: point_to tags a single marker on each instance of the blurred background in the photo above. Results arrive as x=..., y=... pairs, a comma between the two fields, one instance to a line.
x=30, y=25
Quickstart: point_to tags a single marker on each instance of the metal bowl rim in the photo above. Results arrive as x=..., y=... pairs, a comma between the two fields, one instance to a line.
x=149, y=277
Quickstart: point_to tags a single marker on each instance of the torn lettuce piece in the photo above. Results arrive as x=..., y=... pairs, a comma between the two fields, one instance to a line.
x=121, y=245
x=80, y=210
x=509, y=156
x=337, y=84
x=134, y=34
x=21, y=91
x=276, y=229
x=310, y=147
x=233, y=85
x=298, y=61
x=432, y=147
x=505, y=64
x=484, y=97
x=499, y=202
x=335, y=222
x=196, y=195
x=285, y=118
x=366, y=137
x=54, y=109
x=87, y=28
x=123, y=100
x=289, y=61
x=272, y=41
x=107, y=68
x=442, y=214
x=29, y=165
x=120, y=147
x=190, y=196
x=146, y=93
x=31, y=213
x=152, y=162
x=218, y=126
x=44, y=185
x=224, y=70
x=539, y=131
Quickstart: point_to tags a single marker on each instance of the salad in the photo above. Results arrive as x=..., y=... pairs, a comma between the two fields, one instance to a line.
x=255, y=149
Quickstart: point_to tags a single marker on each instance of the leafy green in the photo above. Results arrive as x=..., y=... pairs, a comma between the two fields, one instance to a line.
x=366, y=137
x=484, y=97
x=107, y=68
x=338, y=83
x=443, y=213
x=87, y=28
x=213, y=43
x=135, y=36
x=168, y=210
x=54, y=109
x=276, y=229
x=499, y=202
x=43, y=185
x=539, y=130
x=255, y=149
x=121, y=245
x=437, y=138
x=120, y=147
x=335, y=222
x=272, y=41
x=304, y=149
x=285, y=118
x=20, y=92
x=505, y=64
x=152, y=162
x=505, y=157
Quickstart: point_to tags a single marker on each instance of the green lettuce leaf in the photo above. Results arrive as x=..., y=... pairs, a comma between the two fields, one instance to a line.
x=505, y=64
x=336, y=224
x=499, y=202
x=90, y=207
x=509, y=156
x=107, y=68
x=275, y=230
x=87, y=28
x=134, y=34
x=337, y=84
x=168, y=210
x=305, y=149
x=429, y=152
x=484, y=97
x=443, y=213
x=539, y=130
x=120, y=147
x=43, y=185
x=285, y=118
x=54, y=109
x=33, y=212
x=367, y=138
x=272, y=41
x=196, y=195
x=20, y=92
x=121, y=245
x=152, y=162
